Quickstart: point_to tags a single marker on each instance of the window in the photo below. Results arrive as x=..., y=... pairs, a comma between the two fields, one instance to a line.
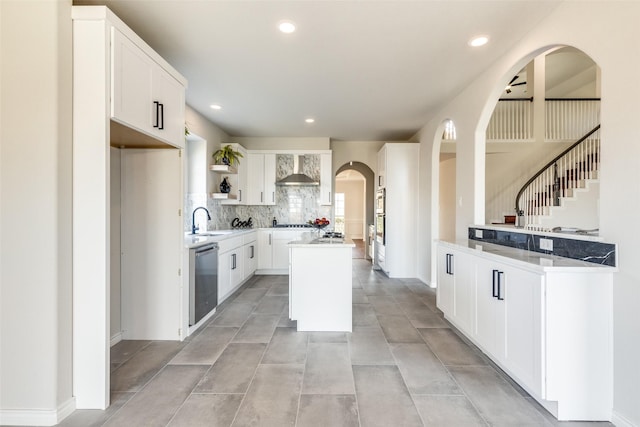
x=339, y=213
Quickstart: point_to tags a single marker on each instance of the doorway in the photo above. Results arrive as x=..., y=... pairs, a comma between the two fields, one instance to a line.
x=354, y=198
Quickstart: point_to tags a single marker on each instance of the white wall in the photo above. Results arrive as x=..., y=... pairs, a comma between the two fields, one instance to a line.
x=35, y=210
x=612, y=43
x=115, y=245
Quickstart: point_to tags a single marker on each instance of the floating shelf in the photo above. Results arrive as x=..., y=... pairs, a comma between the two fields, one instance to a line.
x=223, y=169
x=223, y=196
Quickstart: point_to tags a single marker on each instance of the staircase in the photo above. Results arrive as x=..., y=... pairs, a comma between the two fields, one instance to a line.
x=565, y=193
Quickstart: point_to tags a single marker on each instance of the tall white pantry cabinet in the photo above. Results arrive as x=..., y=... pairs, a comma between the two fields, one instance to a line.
x=124, y=96
x=398, y=174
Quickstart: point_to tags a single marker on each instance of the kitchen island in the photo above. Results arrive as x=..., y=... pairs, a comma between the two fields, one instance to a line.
x=320, y=283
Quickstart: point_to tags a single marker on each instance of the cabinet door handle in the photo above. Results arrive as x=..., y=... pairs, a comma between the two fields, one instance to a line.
x=239, y=195
x=252, y=252
x=233, y=261
x=157, y=122
x=161, y=126
x=273, y=196
x=500, y=276
x=451, y=264
x=261, y=197
x=269, y=239
x=495, y=283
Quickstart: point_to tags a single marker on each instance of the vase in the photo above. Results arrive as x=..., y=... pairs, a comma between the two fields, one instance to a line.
x=225, y=187
x=225, y=161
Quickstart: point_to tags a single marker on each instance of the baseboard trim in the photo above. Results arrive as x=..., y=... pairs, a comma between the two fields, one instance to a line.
x=115, y=339
x=620, y=420
x=37, y=417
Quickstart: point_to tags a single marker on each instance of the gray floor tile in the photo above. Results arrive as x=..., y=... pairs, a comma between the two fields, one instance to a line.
x=206, y=347
x=285, y=322
x=385, y=305
x=257, y=328
x=328, y=369
x=383, y=399
x=426, y=319
x=287, y=346
x=235, y=314
x=251, y=295
x=450, y=349
x=328, y=337
x=272, y=399
x=373, y=289
x=272, y=305
x=364, y=315
x=447, y=411
x=124, y=350
x=96, y=417
x=398, y=329
x=160, y=399
x=369, y=347
x=233, y=370
x=423, y=373
x=359, y=297
x=207, y=410
x=496, y=401
x=137, y=371
x=326, y=410
x=279, y=290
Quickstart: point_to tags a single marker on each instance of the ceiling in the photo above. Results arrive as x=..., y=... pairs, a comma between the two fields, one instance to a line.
x=364, y=70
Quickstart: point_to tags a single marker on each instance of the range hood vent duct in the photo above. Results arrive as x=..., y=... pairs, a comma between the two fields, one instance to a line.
x=297, y=177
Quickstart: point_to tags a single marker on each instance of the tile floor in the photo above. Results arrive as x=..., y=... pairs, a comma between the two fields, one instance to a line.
x=401, y=366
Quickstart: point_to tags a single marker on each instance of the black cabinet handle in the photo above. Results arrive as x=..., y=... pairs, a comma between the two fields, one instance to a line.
x=233, y=261
x=157, y=105
x=495, y=283
x=500, y=276
x=251, y=251
x=161, y=126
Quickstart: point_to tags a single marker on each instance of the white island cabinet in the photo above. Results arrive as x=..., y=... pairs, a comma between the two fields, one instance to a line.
x=545, y=320
x=320, y=284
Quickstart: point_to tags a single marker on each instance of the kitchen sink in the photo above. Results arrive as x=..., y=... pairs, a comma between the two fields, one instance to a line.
x=214, y=233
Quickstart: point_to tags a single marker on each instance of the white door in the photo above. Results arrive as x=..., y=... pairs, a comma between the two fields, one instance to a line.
x=255, y=179
x=269, y=179
x=265, y=249
x=151, y=244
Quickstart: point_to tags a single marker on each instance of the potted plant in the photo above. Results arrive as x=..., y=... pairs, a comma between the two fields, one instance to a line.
x=227, y=156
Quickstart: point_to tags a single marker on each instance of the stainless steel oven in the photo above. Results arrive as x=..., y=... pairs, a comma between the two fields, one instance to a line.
x=203, y=281
x=380, y=201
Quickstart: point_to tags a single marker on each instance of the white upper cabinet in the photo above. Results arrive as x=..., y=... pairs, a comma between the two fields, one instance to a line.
x=326, y=179
x=261, y=179
x=144, y=96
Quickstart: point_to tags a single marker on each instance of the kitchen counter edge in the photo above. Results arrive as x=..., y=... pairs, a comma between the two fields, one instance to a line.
x=533, y=261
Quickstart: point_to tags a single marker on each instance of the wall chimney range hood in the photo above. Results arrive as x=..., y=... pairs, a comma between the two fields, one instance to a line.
x=298, y=177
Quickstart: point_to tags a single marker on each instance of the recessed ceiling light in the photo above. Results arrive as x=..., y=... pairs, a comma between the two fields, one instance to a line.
x=286, y=27
x=478, y=41
x=215, y=107
x=309, y=120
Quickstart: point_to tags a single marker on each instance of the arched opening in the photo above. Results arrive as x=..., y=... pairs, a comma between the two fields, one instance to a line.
x=354, y=196
x=546, y=108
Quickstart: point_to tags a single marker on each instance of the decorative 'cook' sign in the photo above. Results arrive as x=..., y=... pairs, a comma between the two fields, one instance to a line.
x=236, y=223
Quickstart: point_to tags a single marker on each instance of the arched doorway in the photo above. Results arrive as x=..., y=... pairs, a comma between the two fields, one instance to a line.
x=354, y=194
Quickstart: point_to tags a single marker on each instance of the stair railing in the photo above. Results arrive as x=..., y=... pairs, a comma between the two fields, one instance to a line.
x=560, y=176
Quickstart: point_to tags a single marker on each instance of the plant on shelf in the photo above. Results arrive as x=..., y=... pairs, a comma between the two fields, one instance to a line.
x=227, y=156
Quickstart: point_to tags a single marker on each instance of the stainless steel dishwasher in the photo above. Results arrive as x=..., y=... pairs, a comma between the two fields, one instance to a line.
x=203, y=281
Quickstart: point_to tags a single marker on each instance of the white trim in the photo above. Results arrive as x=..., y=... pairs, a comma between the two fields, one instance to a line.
x=621, y=421
x=116, y=338
x=37, y=417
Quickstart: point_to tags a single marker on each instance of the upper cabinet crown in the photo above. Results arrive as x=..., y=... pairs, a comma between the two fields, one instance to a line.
x=144, y=95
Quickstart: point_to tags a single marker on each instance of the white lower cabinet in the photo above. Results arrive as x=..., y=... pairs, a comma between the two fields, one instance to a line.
x=548, y=328
x=455, y=292
x=237, y=261
x=509, y=309
x=250, y=256
x=273, y=249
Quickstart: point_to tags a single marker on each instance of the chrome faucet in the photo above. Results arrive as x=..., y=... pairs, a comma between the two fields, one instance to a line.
x=194, y=229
